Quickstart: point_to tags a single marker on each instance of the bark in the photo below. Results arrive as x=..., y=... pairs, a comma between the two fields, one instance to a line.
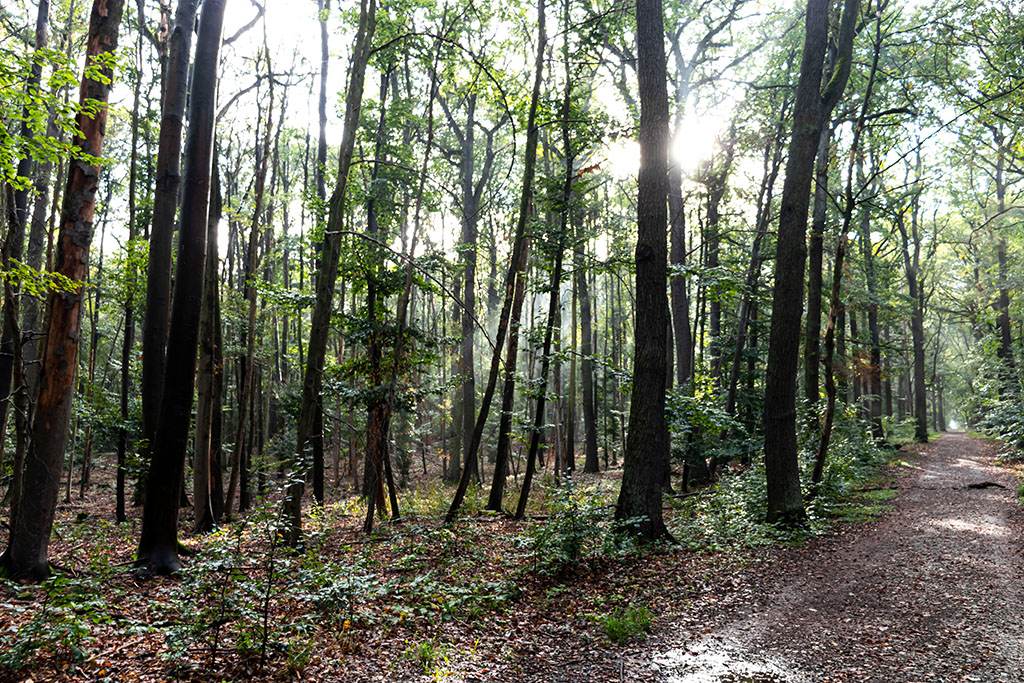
x=772, y=164
x=158, y=543
x=835, y=301
x=32, y=521
x=165, y=203
x=785, y=503
x=205, y=460
x=554, y=310
x=328, y=274
x=874, y=378
x=716, y=186
x=378, y=417
x=815, y=249
x=14, y=243
x=554, y=303
x=590, y=463
x=639, y=502
x=128, y=339
x=911, y=249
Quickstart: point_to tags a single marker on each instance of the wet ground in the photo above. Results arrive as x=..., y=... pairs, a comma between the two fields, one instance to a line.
x=932, y=592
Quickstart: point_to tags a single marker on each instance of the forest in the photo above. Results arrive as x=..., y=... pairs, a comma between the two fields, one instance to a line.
x=431, y=340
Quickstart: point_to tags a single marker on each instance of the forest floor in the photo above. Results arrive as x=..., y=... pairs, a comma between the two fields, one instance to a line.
x=917, y=577
x=934, y=591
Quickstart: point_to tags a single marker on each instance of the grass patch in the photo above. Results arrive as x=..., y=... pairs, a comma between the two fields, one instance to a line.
x=623, y=625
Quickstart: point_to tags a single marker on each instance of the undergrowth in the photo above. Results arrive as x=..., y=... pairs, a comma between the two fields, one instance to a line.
x=731, y=512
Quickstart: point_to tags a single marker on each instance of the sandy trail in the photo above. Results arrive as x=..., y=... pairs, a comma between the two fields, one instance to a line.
x=932, y=592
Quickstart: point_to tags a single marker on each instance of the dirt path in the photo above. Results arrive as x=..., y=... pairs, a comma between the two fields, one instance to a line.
x=932, y=592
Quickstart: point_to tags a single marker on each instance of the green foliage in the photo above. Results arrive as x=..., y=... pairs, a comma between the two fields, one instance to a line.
x=60, y=630
x=731, y=513
x=625, y=624
x=573, y=529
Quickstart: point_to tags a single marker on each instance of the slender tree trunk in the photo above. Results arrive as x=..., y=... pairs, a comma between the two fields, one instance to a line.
x=248, y=362
x=590, y=463
x=32, y=520
x=165, y=203
x=310, y=405
x=785, y=503
x=511, y=310
x=812, y=335
x=205, y=462
x=14, y=243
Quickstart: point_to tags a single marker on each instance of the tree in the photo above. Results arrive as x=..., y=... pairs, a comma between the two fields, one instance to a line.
x=328, y=272
x=813, y=104
x=639, y=503
x=165, y=205
x=32, y=521
x=158, y=542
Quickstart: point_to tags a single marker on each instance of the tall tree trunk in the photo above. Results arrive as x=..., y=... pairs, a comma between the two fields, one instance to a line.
x=590, y=463
x=639, y=502
x=771, y=166
x=854, y=168
x=248, y=362
x=14, y=243
x=328, y=274
x=815, y=250
x=785, y=503
x=165, y=203
x=32, y=521
x=158, y=542
x=554, y=303
x=128, y=340
x=205, y=462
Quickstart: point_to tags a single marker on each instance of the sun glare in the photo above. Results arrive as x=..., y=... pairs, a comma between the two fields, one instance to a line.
x=696, y=141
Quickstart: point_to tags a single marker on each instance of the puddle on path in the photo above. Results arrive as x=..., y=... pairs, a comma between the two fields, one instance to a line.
x=722, y=660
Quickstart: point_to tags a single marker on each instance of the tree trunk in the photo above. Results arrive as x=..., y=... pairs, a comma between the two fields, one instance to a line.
x=639, y=502
x=328, y=275
x=205, y=459
x=158, y=543
x=165, y=203
x=15, y=240
x=590, y=463
x=248, y=361
x=511, y=310
x=31, y=523
x=812, y=336
x=785, y=503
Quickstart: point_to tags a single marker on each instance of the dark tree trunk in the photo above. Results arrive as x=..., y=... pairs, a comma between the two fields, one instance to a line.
x=310, y=407
x=639, y=501
x=911, y=266
x=874, y=378
x=246, y=389
x=771, y=166
x=785, y=503
x=128, y=340
x=32, y=521
x=165, y=203
x=590, y=463
x=14, y=243
x=205, y=462
x=812, y=337
x=158, y=543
